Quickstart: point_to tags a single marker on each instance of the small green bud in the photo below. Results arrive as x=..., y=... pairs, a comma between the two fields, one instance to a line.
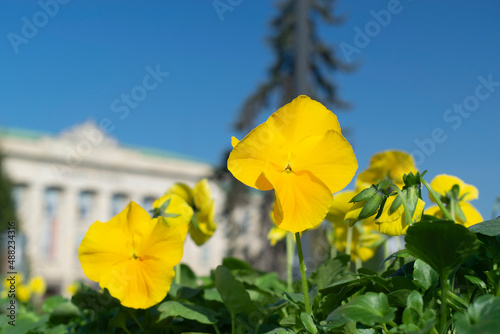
x=372, y=204
x=364, y=195
x=395, y=205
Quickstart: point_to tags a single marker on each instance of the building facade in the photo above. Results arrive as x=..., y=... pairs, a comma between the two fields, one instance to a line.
x=64, y=183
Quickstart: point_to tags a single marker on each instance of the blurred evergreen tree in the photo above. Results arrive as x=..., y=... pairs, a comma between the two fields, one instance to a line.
x=279, y=87
x=295, y=42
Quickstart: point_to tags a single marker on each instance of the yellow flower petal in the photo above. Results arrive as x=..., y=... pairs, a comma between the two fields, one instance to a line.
x=396, y=223
x=340, y=206
x=234, y=141
x=301, y=118
x=443, y=183
x=204, y=227
x=352, y=215
x=132, y=256
x=37, y=285
x=302, y=201
x=177, y=206
x=276, y=234
x=23, y=293
x=182, y=190
x=472, y=216
x=393, y=164
x=322, y=154
x=248, y=158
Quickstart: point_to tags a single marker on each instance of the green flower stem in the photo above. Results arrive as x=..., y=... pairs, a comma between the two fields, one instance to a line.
x=386, y=253
x=177, y=269
x=392, y=323
x=303, y=277
x=436, y=198
x=217, y=331
x=408, y=218
x=349, y=240
x=290, y=248
x=233, y=323
x=444, y=304
x=132, y=315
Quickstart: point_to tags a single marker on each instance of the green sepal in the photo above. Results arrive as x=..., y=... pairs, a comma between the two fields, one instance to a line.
x=364, y=195
x=371, y=206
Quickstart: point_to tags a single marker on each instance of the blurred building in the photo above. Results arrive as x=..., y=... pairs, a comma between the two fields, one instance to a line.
x=62, y=184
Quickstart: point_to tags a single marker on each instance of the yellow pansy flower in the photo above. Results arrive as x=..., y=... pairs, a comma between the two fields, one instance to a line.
x=73, y=288
x=276, y=234
x=443, y=184
x=173, y=210
x=23, y=293
x=365, y=236
x=37, y=285
x=390, y=165
x=202, y=225
x=18, y=278
x=395, y=223
x=301, y=154
x=133, y=256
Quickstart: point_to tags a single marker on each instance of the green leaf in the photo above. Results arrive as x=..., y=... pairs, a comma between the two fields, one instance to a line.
x=369, y=309
x=64, y=313
x=51, y=302
x=488, y=227
x=232, y=263
x=424, y=276
x=328, y=271
x=443, y=244
x=398, y=298
x=232, y=291
x=191, y=312
x=477, y=281
x=308, y=322
x=25, y=323
x=415, y=301
x=483, y=316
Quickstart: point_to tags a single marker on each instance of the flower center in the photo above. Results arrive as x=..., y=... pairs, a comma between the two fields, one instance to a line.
x=288, y=168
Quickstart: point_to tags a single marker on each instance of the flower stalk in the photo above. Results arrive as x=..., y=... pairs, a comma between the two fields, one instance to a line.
x=303, y=275
x=436, y=198
x=290, y=247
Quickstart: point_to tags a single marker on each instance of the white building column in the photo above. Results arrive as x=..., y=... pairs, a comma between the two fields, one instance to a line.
x=31, y=220
x=67, y=255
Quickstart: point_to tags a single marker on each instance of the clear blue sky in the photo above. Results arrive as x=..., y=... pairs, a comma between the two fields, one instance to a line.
x=412, y=69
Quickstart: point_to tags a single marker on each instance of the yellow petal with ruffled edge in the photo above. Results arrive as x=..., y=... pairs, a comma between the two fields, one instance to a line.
x=322, y=154
x=396, y=223
x=302, y=200
x=249, y=156
x=443, y=183
x=301, y=118
x=132, y=256
x=384, y=164
x=182, y=190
